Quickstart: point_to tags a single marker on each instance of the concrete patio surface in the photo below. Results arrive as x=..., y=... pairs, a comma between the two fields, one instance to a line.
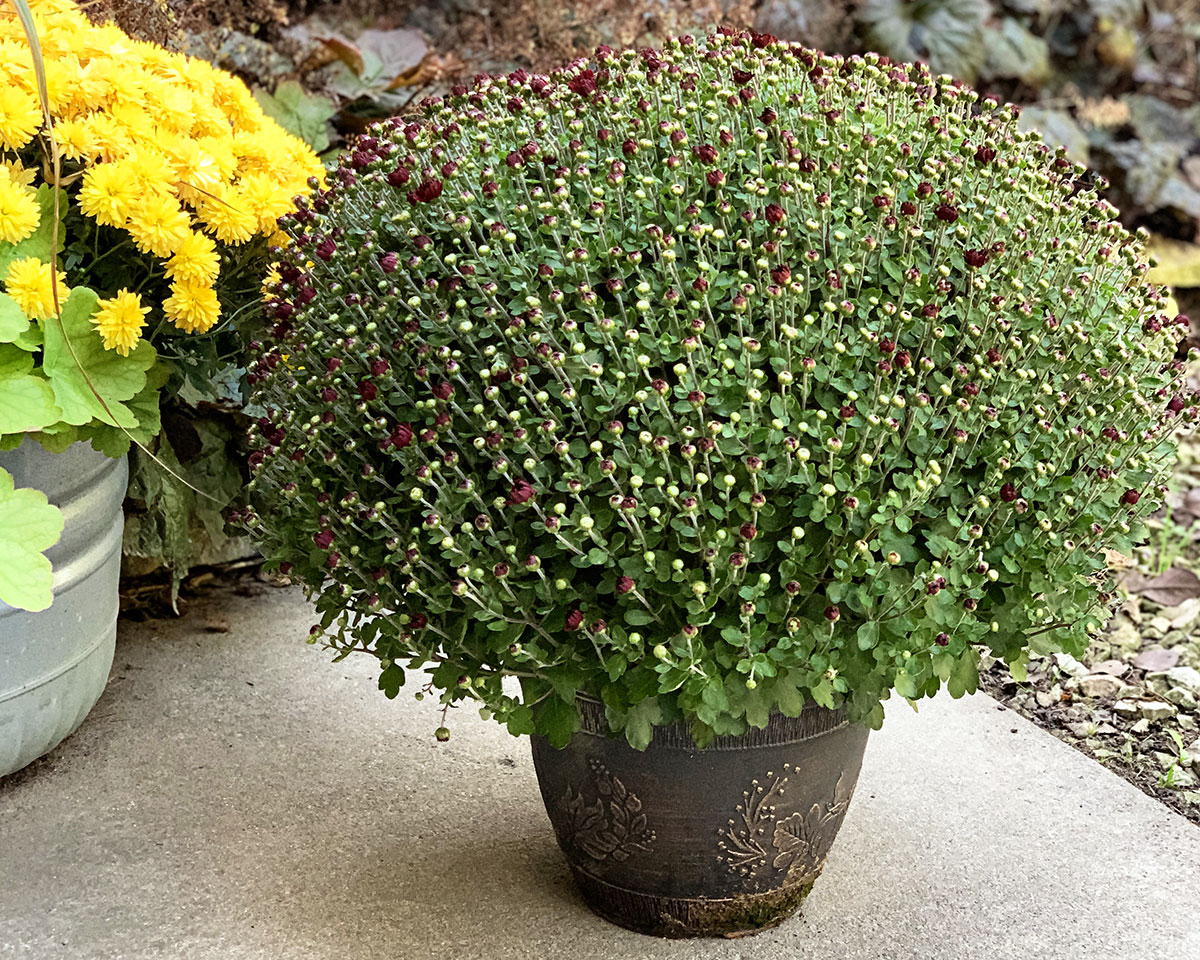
x=236, y=796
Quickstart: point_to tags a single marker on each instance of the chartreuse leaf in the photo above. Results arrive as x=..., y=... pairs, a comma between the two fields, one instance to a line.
x=29, y=525
x=13, y=322
x=26, y=400
x=109, y=376
x=115, y=442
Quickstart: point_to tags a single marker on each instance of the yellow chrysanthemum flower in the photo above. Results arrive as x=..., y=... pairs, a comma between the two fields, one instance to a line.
x=192, y=307
x=108, y=193
x=264, y=199
x=229, y=216
x=19, y=211
x=13, y=170
x=20, y=116
x=75, y=140
x=28, y=282
x=119, y=321
x=158, y=224
x=195, y=260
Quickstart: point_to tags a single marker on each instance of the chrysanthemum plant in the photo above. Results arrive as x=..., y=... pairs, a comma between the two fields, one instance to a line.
x=708, y=381
x=169, y=180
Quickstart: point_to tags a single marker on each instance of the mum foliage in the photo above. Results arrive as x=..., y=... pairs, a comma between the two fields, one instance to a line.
x=707, y=381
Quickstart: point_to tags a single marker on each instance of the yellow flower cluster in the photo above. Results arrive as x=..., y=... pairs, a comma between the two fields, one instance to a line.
x=171, y=149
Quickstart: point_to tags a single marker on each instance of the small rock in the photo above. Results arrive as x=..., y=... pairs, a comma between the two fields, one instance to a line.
x=1045, y=698
x=1193, y=752
x=1142, y=726
x=1159, y=625
x=1184, y=615
x=1156, y=710
x=1070, y=666
x=1126, y=708
x=1156, y=659
x=1187, y=722
x=1081, y=729
x=1175, y=638
x=1182, y=779
x=1114, y=668
x=1101, y=685
x=1186, y=677
x=1156, y=683
x=1181, y=698
x=1105, y=729
x=1125, y=636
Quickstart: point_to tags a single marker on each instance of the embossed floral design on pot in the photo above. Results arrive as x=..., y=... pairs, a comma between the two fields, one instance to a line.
x=611, y=825
x=796, y=846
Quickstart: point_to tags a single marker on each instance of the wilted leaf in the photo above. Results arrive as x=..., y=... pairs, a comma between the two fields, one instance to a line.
x=1115, y=560
x=946, y=33
x=305, y=114
x=1168, y=589
x=1156, y=659
x=1057, y=129
x=345, y=50
x=1012, y=51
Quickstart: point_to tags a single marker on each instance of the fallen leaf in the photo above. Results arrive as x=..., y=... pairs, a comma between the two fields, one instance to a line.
x=1178, y=262
x=342, y=49
x=1168, y=590
x=1115, y=560
x=1156, y=659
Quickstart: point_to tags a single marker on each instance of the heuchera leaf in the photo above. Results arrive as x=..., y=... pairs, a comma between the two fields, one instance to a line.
x=113, y=377
x=29, y=525
x=13, y=322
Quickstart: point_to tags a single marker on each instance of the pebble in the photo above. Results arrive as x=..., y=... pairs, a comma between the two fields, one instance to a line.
x=1072, y=667
x=1159, y=625
x=1181, y=698
x=1184, y=615
x=1126, y=708
x=1186, y=677
x=1142, y=726
x=1155, y=710
x=1101, y=685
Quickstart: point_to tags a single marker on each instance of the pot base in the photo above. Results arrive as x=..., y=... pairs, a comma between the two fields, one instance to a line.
x=685, y=917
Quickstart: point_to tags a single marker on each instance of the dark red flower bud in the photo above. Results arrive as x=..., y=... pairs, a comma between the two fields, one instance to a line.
x=583, y=83
x=908, y=208
x=715, y=178
x=946, y=212
x=832, y=613
x=942, y=639
x=1130, y=497
x=781, y=274
x=401, y=436
x=398, y=177
x=976, y=258
x=985, y=154
x=429, y=190
x=881, y=202
x=521, y=492
x=366, y=390
x=443, y=390
x=323, y=539
x=1008, y=493
x=574, y=621
x=775, y=213
x=625, y=584
x=847, y=411
x=748, y=531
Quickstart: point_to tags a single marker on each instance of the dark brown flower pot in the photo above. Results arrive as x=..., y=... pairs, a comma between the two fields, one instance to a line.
x=682, y=842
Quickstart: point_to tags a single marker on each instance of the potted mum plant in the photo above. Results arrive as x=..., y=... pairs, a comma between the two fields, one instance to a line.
x=713, y=393
x=135, y=183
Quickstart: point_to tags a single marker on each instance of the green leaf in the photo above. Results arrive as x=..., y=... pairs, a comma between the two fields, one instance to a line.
x=638, y=618
x=868, y=635
x=13, y=322
x=305, y=114
x=822, y=693
x=1012, y=51
x=556, y=720
x=391, y=680
x=26, y=405
x=72, y=347
x=788, y=697
x=965, y=678
x=38, y=243
x=640, y=721
x=29, y=525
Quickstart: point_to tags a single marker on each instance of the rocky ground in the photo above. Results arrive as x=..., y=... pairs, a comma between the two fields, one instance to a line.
x=1133, y=702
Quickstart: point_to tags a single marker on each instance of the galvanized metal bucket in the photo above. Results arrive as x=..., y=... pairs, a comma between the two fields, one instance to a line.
x=54, y=664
